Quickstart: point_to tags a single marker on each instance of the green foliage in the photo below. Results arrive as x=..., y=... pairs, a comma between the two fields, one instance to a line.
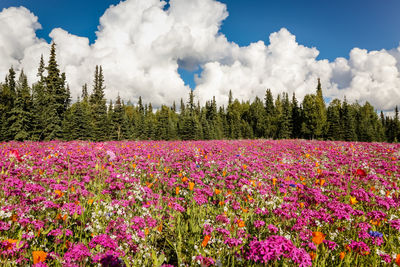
x=44, y=112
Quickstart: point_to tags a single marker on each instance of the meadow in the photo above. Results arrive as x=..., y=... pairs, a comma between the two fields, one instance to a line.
x=200, y=203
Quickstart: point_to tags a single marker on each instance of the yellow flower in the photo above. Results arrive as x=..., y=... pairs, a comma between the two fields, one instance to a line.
x=353, y=200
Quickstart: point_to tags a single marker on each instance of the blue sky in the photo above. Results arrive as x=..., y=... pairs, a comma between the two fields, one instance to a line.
x=333, y=27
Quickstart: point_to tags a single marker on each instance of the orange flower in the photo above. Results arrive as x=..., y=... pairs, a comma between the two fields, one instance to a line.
x=191, y=186
x=221, y=203
x=375, y=222
x=146, y=231
x=318, y=237
x=240, y=223
x=14, y=218
x=205, y=241
x=245, y=210
x=244, y=166
x=72, y=189
x=397, y=260
x=39, y=256
x=184, y=179
x=159, y=228
x=90, y=201
x=63, y=218
x=322, y=182
x=223, y=173
x=10, y=244
x=301, y=205
x=342, y=254
x=177, y=190
x=217, y=191
x=372, y=188
x=312, y=255
x=58, y=193
x=274, y=181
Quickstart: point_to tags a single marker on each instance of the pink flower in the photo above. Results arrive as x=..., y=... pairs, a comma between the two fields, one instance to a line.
x=15, y=155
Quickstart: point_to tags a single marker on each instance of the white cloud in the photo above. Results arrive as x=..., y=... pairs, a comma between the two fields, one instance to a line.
x=141, y=46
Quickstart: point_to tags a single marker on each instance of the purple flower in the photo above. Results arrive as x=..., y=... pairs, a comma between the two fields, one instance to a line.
x=233, y=242
x=258, y=224
x=275, y=247
x=76, y=253
x=330, y=244
x=204, y=261
x=386, y=258
x=272, y=228
x=104, y=240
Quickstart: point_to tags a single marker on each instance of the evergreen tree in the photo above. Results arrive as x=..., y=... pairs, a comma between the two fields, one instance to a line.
x=20, y=116
x=7, y=99
x=320, y=125
x=190, y=128
x=56, y=97
x=85, y=95
x=310, y=117
x=257, y=118
x=296, y=118
x=334, y=119
x=98, y=107
x=39, y=104
x=348, y=122
x=369, y=127
x=117, y=120
x=285, y=119
x=269, y=114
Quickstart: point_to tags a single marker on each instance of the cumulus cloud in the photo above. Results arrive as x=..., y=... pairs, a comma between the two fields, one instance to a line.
x=141, y=45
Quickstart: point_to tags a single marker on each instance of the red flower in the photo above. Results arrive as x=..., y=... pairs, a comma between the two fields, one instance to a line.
x=361, y=173
x=14, y=154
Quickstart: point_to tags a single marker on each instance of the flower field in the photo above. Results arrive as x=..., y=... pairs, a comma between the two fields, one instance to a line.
x=203, y=203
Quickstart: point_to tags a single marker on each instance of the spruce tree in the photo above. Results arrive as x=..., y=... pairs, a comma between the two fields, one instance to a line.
x=348, y=122
x=8, y=96
x=269, y=114
x=285, y=119
x=57, y=98
x=257, y=118
x=20, y=117
x=296, y=118
x=310, y=116
x=334, y=119
x=320, y=126
x=117, y=120
x=39, y=103
x=98, y=107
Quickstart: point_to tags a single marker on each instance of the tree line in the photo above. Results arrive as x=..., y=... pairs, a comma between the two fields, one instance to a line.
x=44, y=112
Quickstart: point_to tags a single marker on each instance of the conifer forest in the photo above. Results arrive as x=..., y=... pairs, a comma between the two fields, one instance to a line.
x=45, y=111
